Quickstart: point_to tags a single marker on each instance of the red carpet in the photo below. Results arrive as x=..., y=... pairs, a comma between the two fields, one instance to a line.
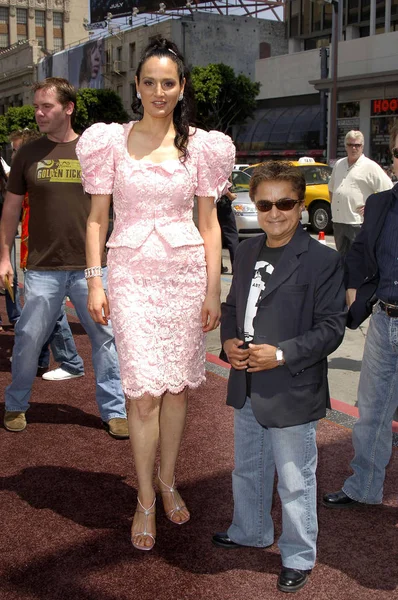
x=67, y=496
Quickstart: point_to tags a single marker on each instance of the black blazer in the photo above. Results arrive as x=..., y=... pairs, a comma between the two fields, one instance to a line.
x=361, y=268
x=302, y=311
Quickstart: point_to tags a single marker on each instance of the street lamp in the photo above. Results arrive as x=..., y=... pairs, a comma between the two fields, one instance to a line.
x=332, y=154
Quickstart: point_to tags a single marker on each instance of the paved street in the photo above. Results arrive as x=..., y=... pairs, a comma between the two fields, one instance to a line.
x=344, y=364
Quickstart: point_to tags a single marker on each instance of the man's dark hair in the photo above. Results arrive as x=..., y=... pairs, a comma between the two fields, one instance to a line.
x=65, y=91
x=278, y=170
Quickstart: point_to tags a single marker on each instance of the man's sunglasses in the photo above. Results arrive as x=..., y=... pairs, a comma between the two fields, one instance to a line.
x=283, y=204
x=354, y=145
x=395, y=152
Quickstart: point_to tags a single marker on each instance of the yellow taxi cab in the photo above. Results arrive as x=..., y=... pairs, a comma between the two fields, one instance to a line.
x=317, y=200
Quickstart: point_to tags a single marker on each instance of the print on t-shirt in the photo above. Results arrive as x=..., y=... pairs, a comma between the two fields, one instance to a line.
x=262, y=272
x=59, y=171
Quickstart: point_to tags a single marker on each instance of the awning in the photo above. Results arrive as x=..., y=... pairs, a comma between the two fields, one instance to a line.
x=286, y=129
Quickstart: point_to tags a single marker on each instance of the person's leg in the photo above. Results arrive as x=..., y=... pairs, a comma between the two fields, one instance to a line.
x=377, y=401
x=44, y=292
x=341, y=240
x=252, y=481
x=13, y=307
x=295, y=454
x=230, y=234
x=351, y=232
x=173, y=413
x=109, y=394
x=143, y=417
x=64, y=348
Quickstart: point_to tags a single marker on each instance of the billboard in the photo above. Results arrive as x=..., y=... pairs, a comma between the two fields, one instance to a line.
x=81, y=66
x=100, y=8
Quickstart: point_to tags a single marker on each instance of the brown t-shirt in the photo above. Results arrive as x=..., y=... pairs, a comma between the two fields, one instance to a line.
x=50, y=173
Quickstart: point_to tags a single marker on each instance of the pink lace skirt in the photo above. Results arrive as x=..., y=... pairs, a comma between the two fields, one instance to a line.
x=156, y=294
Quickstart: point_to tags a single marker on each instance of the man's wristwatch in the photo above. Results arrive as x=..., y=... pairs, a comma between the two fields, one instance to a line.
x=279, y=356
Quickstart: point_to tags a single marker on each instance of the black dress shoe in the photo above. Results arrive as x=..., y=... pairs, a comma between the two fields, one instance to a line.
x=40, y=371
x=224, y=269
x=222, y=540
x=338, y=500
x=292, y=580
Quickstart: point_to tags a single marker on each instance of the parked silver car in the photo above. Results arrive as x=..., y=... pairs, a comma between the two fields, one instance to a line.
x=244, y=210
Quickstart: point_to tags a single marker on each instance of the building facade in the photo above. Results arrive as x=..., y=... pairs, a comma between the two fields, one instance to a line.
x=293, y=114
x=53, y=24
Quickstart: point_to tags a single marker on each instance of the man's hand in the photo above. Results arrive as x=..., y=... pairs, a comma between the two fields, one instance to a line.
x=6, y=270
x=262, y=357
x=350, y=296
x=237, y=357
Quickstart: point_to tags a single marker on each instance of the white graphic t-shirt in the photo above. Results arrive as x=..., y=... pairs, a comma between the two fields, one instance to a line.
x=264, y=267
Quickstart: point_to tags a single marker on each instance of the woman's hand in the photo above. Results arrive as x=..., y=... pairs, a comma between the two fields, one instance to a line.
x=98, y=305
x=211, y=312
x=238, y=358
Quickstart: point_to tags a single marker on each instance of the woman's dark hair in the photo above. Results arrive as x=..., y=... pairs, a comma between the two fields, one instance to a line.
x=184, y=112
x=278, y=170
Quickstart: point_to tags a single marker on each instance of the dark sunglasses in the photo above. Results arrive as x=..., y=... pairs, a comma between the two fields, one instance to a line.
x=395, y=152
x=354, y=145
x=283, y=204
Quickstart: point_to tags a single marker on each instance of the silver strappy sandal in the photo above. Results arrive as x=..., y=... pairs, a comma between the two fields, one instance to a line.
x=177, y=507
x=146, y=512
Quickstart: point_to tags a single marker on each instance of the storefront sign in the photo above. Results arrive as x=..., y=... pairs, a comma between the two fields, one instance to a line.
x=385, y=106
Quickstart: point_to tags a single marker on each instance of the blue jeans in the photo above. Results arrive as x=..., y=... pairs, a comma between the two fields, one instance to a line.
x=63, y=348
x=44, y=294
x=377, y=401
x=293, y=452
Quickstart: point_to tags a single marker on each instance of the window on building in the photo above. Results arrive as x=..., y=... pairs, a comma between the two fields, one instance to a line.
x=327, y=16
x=394, y=7
x=305, y=18
x=353, y=12
x=119, y=51
x=4, y=27
x=316, y=16
x=22, y=24
x=314, y=43
x=58, y=31
x=119, y=90
x=294, y=18
x=365, y=10
x=40, y=23
x=132, y=54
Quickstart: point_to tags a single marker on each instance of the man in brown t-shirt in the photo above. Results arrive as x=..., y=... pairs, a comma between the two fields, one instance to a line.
x=49, y=171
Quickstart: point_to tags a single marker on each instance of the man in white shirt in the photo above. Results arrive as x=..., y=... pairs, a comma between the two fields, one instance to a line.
x=353, y=180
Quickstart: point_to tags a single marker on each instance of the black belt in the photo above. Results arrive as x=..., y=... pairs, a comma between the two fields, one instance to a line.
x=390, y=309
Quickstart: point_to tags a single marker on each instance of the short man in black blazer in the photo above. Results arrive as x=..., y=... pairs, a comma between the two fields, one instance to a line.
x=283, y=316
x=372, y=287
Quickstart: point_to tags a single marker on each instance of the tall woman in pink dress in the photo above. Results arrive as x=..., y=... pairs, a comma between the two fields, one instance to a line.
x=164, y=274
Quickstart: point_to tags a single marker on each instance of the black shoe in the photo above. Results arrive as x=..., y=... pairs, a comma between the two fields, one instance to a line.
x=40, y=371
x=292, y=580
x=338, y=500
x=224, y=269
x=222, y=540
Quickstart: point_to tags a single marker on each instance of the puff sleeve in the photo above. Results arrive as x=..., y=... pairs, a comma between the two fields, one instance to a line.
x=216, y=160
x=95, y=151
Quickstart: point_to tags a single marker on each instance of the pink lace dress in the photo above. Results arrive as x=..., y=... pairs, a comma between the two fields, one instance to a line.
x=157, y=270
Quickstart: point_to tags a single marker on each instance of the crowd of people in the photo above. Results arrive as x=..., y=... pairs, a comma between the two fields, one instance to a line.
x=289, y=303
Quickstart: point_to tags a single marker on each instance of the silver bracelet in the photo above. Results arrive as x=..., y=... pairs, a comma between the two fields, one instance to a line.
x=93, y=272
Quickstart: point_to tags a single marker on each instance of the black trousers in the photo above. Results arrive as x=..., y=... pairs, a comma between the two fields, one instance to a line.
x=229, y=232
